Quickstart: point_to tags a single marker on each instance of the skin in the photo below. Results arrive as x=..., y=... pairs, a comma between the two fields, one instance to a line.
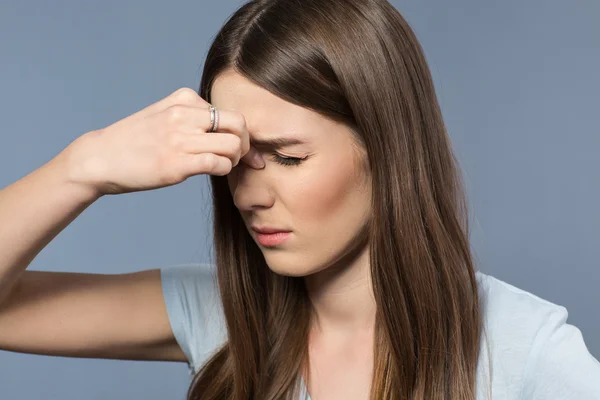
x=325, y=202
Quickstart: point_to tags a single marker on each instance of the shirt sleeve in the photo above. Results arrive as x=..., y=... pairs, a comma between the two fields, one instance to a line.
x=194, y=308
x=560, y=365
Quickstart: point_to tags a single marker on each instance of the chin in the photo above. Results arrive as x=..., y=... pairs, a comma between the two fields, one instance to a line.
x=287, y=271
x=291, y=269
x=286, y=267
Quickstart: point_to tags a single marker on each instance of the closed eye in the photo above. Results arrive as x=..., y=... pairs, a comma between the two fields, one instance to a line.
x=287, y=161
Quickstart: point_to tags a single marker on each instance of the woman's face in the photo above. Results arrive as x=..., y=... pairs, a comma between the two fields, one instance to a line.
x=323, y=200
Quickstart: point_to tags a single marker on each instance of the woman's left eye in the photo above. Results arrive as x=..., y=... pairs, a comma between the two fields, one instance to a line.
x=288, y=161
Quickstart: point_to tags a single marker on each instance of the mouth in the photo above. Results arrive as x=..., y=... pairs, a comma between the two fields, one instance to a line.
x=269, y=237
x=267, y=230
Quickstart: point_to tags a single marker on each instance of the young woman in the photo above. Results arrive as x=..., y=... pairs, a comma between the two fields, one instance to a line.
x=343, y=267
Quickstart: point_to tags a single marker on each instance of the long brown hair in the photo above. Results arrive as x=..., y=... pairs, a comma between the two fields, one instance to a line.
x=358, y=62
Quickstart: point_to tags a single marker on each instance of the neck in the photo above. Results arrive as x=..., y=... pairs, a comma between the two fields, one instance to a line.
x=342, y=296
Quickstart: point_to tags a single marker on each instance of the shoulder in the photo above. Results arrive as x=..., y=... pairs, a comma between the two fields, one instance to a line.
x=514, y=323
x=194, y=308
x=508, y=310
x=533, y=352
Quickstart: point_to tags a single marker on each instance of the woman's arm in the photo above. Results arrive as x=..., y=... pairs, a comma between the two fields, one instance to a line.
x=33, y=211
x=89, y=315
x=71, y=314
x=94, y=315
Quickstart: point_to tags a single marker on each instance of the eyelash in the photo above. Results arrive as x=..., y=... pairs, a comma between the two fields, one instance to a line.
x=287, y=161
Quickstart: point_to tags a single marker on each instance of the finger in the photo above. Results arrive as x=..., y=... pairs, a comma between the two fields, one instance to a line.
x=183, y=96
x=253, y=158
x=205, y=163
x=224, y=144
x=196, y=119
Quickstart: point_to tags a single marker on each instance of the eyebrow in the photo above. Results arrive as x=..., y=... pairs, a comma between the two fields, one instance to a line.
x=276, y=143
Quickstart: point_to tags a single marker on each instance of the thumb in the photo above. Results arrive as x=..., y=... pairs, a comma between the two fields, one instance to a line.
x=254, y=159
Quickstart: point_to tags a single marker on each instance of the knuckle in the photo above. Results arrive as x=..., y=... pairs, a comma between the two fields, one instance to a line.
x=228, y=168
x=228, y=165
x=236, y=143
x=186, y=95
x=236, y=149
x=245, y=145
x=240, y=121
x=208, y=161
x=175, y=140
x=174, y=114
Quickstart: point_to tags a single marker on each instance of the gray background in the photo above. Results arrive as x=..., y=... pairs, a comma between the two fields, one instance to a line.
x=519, y=89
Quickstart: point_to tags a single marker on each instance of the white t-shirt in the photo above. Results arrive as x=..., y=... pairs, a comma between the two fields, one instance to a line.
x=534, y=353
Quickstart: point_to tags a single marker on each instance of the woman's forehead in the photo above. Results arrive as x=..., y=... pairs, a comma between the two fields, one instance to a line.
x=267, y=116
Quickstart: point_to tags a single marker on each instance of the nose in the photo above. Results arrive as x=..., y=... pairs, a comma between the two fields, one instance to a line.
x=249, y=188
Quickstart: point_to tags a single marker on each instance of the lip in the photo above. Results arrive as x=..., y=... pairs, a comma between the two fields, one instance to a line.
x=268, y=230
x=272, y=239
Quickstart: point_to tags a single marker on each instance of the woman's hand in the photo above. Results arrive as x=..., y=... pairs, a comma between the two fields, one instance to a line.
x=159, y=146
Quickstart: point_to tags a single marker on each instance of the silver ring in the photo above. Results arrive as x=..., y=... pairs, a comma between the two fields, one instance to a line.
x=214, y=119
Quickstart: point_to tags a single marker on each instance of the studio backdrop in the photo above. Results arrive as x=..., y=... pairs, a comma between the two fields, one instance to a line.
x=518, y=85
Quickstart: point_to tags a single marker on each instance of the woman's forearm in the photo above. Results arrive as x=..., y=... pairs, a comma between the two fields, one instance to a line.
x=33, y=211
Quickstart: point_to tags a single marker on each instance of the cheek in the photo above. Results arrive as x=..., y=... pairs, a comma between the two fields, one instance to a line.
x=325, y=192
